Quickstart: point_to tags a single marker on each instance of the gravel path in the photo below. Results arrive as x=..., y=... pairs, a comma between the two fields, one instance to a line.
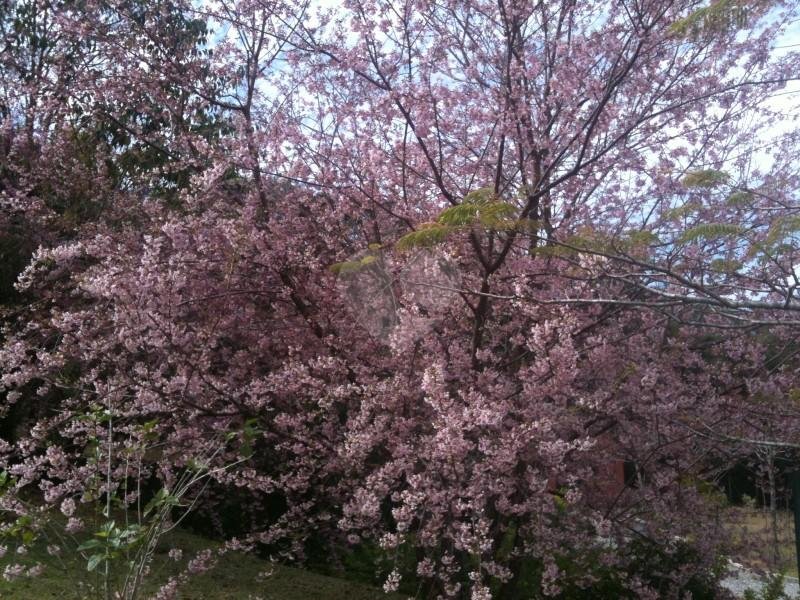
x=741, y=579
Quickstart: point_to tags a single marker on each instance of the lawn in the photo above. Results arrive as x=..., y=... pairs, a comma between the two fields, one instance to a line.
x=238, y=576
x=751, y=529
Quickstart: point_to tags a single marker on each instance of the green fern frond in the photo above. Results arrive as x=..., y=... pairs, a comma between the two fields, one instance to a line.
x=588, y=241
x=554, y=250
x=349, y=267
x=721, y=265
x=707, y=178
x=519, y=225
x=482, y=195
x=345, y=268
x=477, y=206
x=781, y=228
x=429, y=234
x=494, y=212
x=459, y=215
x=642, y=238
x=710, y=231
x=740, y=198
x=679, y=212
x=718, y=17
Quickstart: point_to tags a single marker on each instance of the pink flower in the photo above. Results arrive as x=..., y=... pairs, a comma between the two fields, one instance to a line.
x=392, y=582
x=11, y=572
x=35, y=570
x=168, y=591
x=73, y=525
x=175, y=554
x=68, y=507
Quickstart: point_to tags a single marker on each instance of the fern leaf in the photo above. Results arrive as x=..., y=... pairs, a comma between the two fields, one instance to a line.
x=520, y=225
x=709, y=231
x=707, y=178
x=349, y=267
x=642, y=238
x=429, y=234
x=459, y=215
x=721, y=265
x=782, y=228
x=679, y=212
x=345, y=268
x=480, y=196
x=554, y=250
x=718, y=17
x=495, y=211
x=740, y=198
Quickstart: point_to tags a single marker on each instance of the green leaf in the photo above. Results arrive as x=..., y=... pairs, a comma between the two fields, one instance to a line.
x=156, y=501
x=94, y=561
x=107, y=530
x=494, y=212
x=429, y=234
x=554, y=250
x=346, y=267
x=490, y=213
x=707, y=178
x=642, y=238
x=249, y=433
x=679, y=212
x=718, y=17
x=740, y=198
x=710, y=231
x=521, y=225
x=459, y=215
x=480, y=196
x=352, y=266
x=89, y=544
x=196, y=466
x=781, y=228
x=722, y=265
x=591, y=241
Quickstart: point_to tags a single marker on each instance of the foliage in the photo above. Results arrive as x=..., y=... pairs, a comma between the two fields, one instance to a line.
x=705, y=179
x=719, y=15
x=710, y=231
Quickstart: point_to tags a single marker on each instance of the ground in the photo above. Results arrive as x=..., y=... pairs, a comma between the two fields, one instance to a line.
x=751, y=529
x=247, y=577
x=238, y=576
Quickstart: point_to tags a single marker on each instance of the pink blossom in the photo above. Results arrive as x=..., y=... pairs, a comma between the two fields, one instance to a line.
x=73, y=525
x=68, y=507
x=12, y=571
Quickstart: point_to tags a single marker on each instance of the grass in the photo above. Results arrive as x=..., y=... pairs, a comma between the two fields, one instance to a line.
x=238, y=576
x=751, y=529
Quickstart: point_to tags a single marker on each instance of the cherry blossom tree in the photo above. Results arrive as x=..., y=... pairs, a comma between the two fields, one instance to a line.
x=410, y=278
